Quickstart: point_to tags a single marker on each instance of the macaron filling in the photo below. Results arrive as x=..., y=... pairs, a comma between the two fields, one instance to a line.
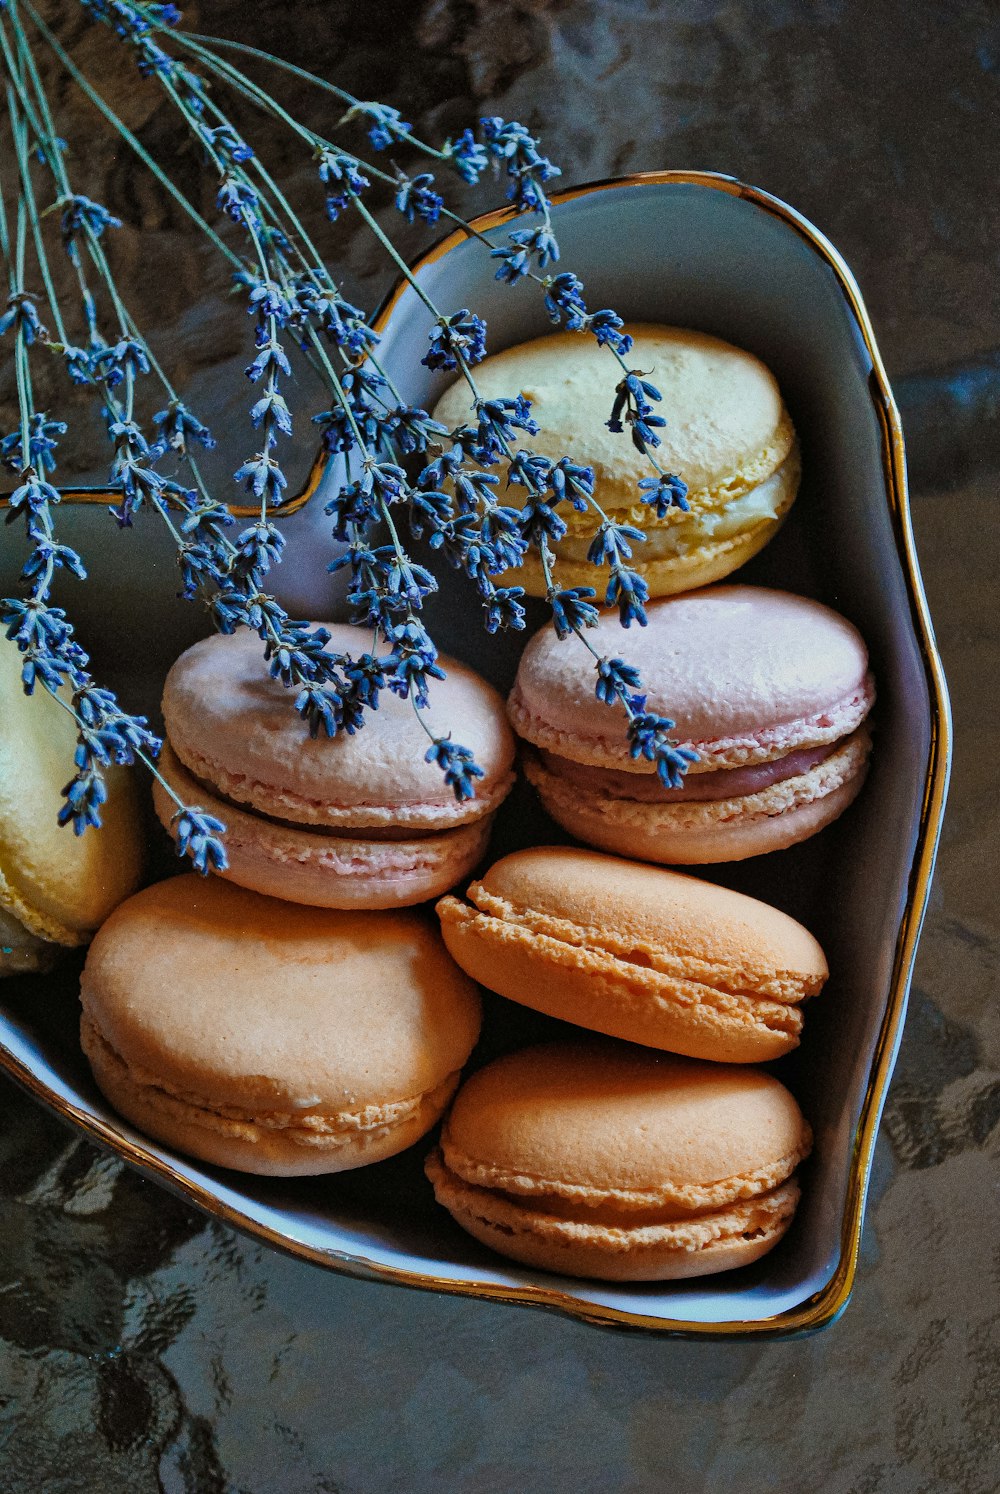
x=678, y=532
x=663, y=1202
x=364, y=817
x=648, y=821
x=322, y=866
x=769, y=997
x=722, y=783
x=376, y=833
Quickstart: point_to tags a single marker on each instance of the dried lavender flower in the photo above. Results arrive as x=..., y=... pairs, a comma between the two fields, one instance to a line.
x=453, y=500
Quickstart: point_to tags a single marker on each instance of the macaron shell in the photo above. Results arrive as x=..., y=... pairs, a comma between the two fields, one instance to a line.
x=236, y=729
x=57, y=885
x=727, y=428
x=637, y=952
x=745, y=672
x=706, y=833
x=594, y=1119
x=233, y=999
x=274, y=1146
x=323, y=869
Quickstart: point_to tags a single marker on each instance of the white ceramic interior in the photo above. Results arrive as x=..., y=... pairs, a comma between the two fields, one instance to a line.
x=694, y=254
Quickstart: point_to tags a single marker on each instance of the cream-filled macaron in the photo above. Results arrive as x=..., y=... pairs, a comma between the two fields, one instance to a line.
x=602, y=1160
x=352, y=821
x=272, y=1038
x=55, y=887
x=771, y=691
x=727, y=434
x=637, y=952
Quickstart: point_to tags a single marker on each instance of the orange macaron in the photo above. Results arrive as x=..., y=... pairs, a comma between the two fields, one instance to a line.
x=273, y=1038
x=637, y=952
x=604, y=1160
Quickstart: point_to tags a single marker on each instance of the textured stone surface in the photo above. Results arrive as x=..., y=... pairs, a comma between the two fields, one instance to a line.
x=143, y=1349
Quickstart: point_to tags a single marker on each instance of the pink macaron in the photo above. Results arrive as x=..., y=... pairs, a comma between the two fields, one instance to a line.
x=772, y=692
x=352, y=821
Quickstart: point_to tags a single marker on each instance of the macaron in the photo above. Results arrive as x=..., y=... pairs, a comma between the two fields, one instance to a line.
x=56, y=888
x=637, y=952
x=771, y=691
x=352, y=821
x=727, y=434
x=602, y=1160
x=272, y=1038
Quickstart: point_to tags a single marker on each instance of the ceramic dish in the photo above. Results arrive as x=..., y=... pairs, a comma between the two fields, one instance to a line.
x=701, y=251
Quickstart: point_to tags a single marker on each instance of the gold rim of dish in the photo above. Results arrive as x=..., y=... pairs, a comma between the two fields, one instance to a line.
x=829, y=1302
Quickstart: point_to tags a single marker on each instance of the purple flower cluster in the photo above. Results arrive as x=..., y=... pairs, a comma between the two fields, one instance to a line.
x=456, y=339
x=648, y=733
x=633, y=398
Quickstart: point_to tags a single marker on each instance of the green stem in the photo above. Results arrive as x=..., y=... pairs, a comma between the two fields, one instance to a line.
x=126, y=134
x=193, y=39
x=416, y=711
x=47, y=132
x=546, y=558
x=202, y=45
x=259, y=96
x=395, y=255
x=99, y=260
x=8, y=258
x=217, y=160
x=24, y=169
x=14, y=74
x=282, y=201
x=47, y=135
x=24, y=390
x=248, y=88
x=338, y=389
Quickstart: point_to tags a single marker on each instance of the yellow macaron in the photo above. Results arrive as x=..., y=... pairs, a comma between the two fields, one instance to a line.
x=56, y=888
x=598, y=1159
x=727, y=434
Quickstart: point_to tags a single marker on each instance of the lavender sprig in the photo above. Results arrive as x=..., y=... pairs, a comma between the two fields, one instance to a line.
x=51, y=655
x=453, y=500
x=412, y=657
x=511, y=149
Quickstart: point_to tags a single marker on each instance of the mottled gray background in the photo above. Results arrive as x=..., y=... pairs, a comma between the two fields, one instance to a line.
x=143, y=1349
